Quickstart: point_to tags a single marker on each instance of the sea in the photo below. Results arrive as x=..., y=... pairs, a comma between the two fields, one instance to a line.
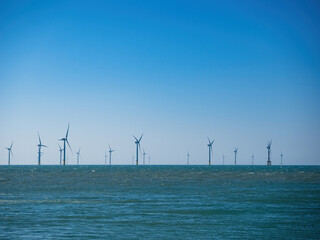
x=159, y=202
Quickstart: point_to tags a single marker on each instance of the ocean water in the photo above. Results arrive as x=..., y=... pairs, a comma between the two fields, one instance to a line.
x=159, y=202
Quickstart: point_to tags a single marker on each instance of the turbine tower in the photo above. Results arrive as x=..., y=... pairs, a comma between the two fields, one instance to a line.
x=281, y=155
x=60, y=150
x=10, y=152
x=110, y=151
x=137, y=142
x=252, y=157
x=39, y=151
x=105, y=157
x=210, y=150
x=144, y=157
x=235, y=155
x=78, y=156
x=65, y=140
x=269, y=153
x=188, y=158
x=223, y=159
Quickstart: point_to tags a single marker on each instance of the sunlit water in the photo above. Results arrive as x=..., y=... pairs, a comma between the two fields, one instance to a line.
x=159, y=202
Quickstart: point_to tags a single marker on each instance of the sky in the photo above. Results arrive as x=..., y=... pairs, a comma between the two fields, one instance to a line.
x=239, y=72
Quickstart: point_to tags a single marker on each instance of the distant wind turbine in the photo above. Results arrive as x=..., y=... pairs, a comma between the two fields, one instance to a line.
x=60, y=150
x=210, y=150
x=281, y=155
x=188, y=158
x=78, y=156
x=223, y=159
x=235, y=155
x=65, y=139
x=39, y=151
x=110, y=151
x=105, y=158
x=137, y=142
x=269, y=153
x=10, y=152
x=144, y=157
x=252, y=158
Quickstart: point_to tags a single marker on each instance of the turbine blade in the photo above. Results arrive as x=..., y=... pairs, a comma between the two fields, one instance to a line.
x=135, y=138
x=140, y=137
x=68, y=130
x=69, y=145
x=109, y=147
x=11, y=145
x=209, y=140
x=44, y=146
x=39, y=138
x=59, y=146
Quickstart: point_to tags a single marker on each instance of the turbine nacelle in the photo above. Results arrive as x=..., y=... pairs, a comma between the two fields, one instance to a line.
x=269, y=144
x=10, y=148
x=138, y=141
x=60, y=148
x=110, y=150
x=210, y=142
x=40, y=144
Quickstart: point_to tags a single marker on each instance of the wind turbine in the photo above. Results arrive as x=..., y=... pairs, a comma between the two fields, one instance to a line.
x=210, y=150
x=281, y=155
x=105, y=158
x=78, y=156
x=137, y=142
x=65, y=139
x=269, y=153
x=188, y=158
x=223, y=159
x=110, y=151
x=252, y=158
x=10, y=152
x=144, y=157
x=39, y=152
x=235, y=155
x=60, y=150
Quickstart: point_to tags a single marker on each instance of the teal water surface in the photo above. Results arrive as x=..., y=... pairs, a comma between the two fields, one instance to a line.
x=159, y=202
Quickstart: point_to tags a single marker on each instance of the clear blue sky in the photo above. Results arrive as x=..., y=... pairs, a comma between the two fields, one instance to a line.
x=240, y=72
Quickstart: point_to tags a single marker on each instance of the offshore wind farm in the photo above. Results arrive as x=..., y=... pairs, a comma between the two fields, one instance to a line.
x=138, y=149
x=159, y=119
